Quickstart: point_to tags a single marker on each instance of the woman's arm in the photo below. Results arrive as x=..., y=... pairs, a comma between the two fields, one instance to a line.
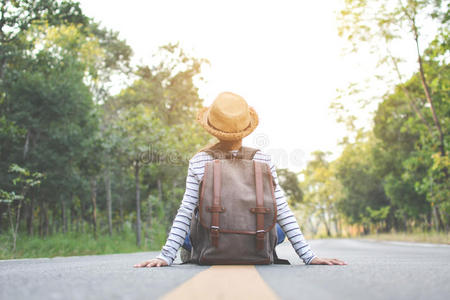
x=289, y=224
x=181, y=223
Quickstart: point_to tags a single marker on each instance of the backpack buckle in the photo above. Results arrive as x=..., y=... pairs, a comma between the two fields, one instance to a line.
x=260, y=238
x=214, y=233
x=260, y=234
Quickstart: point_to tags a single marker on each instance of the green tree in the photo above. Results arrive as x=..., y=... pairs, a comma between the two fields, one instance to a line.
x=58, y=119
x=322, y=191
x=154, y=119
x=410, y=127
x=361, y=186
x=291, y=186
x=16, y=17
x=24, y=181
x=382, y=23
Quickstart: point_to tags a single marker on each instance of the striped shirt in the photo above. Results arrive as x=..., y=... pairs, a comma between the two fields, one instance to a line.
x=182, y=221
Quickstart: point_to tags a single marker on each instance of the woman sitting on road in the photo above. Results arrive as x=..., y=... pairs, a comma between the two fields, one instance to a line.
x=230, y=119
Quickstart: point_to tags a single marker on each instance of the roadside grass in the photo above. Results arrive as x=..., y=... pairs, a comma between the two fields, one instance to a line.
x=416, y=237
x=75, y=244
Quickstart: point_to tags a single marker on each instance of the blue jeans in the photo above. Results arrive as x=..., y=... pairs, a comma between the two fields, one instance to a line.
x=280, y=234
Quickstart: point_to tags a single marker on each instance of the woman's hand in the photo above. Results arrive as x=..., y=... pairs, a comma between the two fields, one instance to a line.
x=327, y=261
x=156, y=262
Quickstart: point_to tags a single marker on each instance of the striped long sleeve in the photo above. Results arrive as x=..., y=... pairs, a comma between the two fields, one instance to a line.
x=286, y=218
x=182, y=221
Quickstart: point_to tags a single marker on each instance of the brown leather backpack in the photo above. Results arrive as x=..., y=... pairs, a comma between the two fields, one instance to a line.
x=234, y=222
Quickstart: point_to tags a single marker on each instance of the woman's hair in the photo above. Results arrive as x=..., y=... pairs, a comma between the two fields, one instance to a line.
x=210, y=146
x=220, y=145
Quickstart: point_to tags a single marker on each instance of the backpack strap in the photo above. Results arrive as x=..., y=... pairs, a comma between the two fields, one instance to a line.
x=216, y=208
x=243, y=153
x=260, y=209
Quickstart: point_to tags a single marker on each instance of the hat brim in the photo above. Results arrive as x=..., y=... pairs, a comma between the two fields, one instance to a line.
x=202, y=118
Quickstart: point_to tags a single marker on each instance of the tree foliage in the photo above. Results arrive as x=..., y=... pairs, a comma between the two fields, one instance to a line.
x=59, y=118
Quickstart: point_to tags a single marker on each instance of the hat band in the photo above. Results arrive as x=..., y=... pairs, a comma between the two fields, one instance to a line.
x=212, y=126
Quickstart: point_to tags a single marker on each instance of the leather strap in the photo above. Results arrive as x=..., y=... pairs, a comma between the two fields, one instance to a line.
x=216, y=204
x=215, y=209
x=260, y=209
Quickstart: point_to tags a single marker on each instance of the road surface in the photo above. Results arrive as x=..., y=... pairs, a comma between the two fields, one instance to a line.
x=375, y=270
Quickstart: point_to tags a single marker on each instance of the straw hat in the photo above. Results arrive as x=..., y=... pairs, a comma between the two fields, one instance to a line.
x=229, y=117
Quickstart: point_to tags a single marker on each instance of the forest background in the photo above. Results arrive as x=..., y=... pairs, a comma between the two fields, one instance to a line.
x=84, y=170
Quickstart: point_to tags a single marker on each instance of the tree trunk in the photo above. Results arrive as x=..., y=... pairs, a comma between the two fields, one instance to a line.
x=149, y=220
x=427, y=92
x=433, y=111
x=30, y=219
x=2, y=67
x=138, y=203
x=25, y=147
x=14, y=223
x=314, y=227
x=325, y=223
x=366, y=229
x=19, y=207
x=46, y=220
x=408, y=95
x=41, y=221
x=150, y=210
x=54, y=228
x=94, y=204
x=1, y=219
x=337, y=226
x=438, y=219
x=83, y=217
x=108, y=199
x=121, y=211
x=72, y=216
x=122, y=193
x=63, y=216
x=327, y=228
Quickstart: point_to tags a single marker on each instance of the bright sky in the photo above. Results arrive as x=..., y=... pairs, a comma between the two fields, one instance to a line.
x=283, y=57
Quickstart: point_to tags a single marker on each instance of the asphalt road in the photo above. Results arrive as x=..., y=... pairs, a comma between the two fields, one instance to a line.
x=375, y=270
